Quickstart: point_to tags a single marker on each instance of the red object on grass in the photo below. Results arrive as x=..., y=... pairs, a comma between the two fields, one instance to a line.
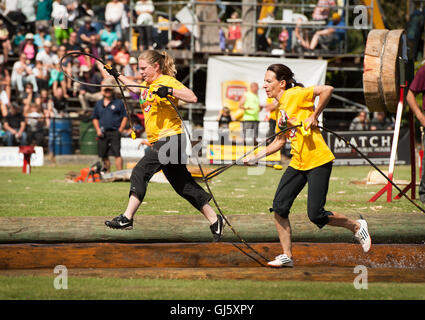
x=27, y=151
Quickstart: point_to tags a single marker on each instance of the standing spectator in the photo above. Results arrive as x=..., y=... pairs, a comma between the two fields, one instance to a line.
x=41, y=37
x=224, y=118
x=60, y=22
x=22, y=73
x=5, y=82
x=89, y=93
x=10, y=5
x=322, y=9
x=4, y=41
x=114, y=12
x=108, y=37
x=46, y=56
x=14, y=125
x=125, y=23
x=28, y=47
x=44, y=13
x=250, y=103
x=35, y=125
x=416, y=87
x=381, y=122
x=86, y=31
x=360, y=123
x=109, y=119
x=144, y=10
x=28, y=8
x=234, y=33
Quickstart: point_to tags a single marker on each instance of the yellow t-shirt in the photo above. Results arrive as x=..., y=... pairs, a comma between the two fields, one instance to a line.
x=309, y=151
x=272, y=114
x=161, y=120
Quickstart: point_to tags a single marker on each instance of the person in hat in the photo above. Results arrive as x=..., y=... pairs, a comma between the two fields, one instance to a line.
x=46, y=56
x=131, y=71
x=29, y=47
x=108, y=37
x=333, y=33
x=86, y=31
x=87, y=93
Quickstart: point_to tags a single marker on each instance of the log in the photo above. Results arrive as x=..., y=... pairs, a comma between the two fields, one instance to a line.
x=390, y=75
x=372, y=88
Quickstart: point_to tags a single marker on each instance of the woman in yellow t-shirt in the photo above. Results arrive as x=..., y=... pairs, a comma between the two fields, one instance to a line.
x=311, y=161
x=165, y=135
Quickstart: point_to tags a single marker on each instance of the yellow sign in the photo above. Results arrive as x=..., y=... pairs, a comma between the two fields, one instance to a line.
x=222, y=153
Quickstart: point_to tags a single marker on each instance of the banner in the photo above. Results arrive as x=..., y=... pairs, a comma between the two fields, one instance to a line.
x=10, y=157
x=376, y=145
x=229, y=77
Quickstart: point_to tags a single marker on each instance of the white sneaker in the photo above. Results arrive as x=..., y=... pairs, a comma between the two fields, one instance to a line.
x=281, y=261
x=363, y=235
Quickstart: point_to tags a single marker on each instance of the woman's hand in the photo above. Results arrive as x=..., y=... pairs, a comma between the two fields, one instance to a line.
x=310, y=122
x=250, y=161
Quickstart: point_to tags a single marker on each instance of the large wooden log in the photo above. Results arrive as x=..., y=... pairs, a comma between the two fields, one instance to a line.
x=390, y=74
x=375, y=46
x=181, y=255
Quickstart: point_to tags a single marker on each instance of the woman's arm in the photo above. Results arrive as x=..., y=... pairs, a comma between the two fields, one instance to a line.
x=185, y=95
x=324, y=93
x=277, y=144
x=411, y=100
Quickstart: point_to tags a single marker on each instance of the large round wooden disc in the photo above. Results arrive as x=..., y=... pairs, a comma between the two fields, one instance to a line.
x=390, y=74
x=372, y=66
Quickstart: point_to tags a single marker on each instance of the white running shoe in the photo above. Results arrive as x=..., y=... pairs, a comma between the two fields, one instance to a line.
x=281, y=261
x=363, y=236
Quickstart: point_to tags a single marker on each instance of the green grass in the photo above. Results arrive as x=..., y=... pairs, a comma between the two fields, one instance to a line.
x=112, y=288
x=45, y=193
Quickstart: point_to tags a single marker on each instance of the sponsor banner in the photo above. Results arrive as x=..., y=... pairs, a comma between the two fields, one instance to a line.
x=218, y=153
x=376, y=145
x=10, y=157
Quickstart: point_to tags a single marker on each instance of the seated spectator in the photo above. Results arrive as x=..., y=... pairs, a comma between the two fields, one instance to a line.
x=41, y=37
x=60, y=17
x=4, y=41
x=283, y=39
x=57, y=80
x=122, y=57
x=46, y=56
x=144, y=10
x=381, y=122
x=301, y=38
x=360, y=122
x=224, y=118
x=89, y=93
x=84, y=59
x=86, y=31
x=18, y=38
x=28, y=8
x=131, y=70
x=22, y=73
x=322, y=9
x=14, y=126
x=44, y=103
x=114, y=12
x=95, y=48
x=59, y=107
x=28, y=47
x=35, y=125
x=72, y=44
x=5, y=82
x=108, y=37
x=28, y=97
x=331, y=35
x=41, y=75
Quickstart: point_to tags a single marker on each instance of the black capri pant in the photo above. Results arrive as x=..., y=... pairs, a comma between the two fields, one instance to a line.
x=168, y=154
x=291, y=184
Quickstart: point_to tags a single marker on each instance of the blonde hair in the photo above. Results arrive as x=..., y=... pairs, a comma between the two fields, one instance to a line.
x=165, y=61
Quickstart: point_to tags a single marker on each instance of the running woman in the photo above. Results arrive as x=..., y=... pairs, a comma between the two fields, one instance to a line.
x=311, y=161
x=165, y=133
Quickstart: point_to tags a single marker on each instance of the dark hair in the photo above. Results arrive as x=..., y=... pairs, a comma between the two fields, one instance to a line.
x=284, y=73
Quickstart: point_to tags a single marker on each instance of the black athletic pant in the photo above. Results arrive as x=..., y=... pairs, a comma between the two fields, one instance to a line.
x=168, y=155
x=291, y=184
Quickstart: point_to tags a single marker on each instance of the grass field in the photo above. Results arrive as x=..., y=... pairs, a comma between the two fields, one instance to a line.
x=45, y=193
